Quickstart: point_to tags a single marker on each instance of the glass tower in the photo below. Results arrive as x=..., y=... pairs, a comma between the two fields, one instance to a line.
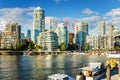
x=38, y=22
x=81, y=31
x=62, y=34
x=102, y=28
x=29, y=33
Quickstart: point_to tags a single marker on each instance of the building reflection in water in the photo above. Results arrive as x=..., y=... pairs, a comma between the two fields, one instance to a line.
x=8, y=68
x=40, y=66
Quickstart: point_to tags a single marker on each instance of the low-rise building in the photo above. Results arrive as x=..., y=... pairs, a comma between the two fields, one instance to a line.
x=105, y=41
x=93, y=41
x=48, y=41
x=70, y=38
x=11, y=35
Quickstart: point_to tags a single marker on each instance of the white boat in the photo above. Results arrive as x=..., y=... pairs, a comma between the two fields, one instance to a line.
x=24, y=54
x=94, y=71
x=60, y=77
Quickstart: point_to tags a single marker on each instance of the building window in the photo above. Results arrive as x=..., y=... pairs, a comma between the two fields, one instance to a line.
x=13, y=28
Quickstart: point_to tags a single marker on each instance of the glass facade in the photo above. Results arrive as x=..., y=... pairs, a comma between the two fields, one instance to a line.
x=29, y=33
x=22, y=35
x=62, y=34
x=38, y=22
x=48, y=41
x=81, y=32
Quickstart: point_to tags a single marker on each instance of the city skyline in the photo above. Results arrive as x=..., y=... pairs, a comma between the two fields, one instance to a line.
x=91, y=12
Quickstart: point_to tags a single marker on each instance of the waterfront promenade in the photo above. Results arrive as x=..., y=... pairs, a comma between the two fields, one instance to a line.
x=33, y=52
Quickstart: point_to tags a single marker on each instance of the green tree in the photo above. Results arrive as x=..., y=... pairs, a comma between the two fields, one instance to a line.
x=18, y=47
x=63, y=47
x=117, y=48
x=37, y=47
x=86, y=47
x=31, y=45
x=11, y=47
x=72, y=47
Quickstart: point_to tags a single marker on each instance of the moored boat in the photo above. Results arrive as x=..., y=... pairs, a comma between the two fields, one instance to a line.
x=94, y=71
x=60, y=77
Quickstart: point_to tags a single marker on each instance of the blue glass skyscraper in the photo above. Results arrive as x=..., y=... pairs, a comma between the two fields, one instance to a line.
x=22, y=35
x=38, y=22
x=81, y=31
x=28, y=33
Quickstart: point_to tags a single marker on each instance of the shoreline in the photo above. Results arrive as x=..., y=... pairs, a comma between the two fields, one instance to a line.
x=11, y=53
x=5, y=52
x=33, y=52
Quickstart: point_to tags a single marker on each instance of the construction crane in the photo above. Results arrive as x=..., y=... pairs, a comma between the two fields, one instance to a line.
x=65, y=19
x=75, y=21
x=73, y=24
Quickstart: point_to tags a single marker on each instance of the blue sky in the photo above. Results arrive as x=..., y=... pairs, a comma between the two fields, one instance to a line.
x=70, y=7
x=90, y=11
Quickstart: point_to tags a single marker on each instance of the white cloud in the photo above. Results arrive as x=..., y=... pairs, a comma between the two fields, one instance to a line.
x=113, y=17
x=114, y=12
x=89, y=11
x=23, y=16
x=92, y=19
x=2, y=24
x=58, y=1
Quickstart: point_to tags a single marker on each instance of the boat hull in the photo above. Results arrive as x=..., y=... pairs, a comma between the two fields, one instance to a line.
x=98, y=77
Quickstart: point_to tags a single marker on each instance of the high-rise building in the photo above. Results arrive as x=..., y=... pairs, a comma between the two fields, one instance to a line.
x=81, y=26
x=0, y=39
x=104, y=41
x=80, y=32
x=28, y=33
x=110, y=42
x=38, y=22
x=62, y=34
x=52, y=24
x=70, y=38
x=116, y=35
x=111, y=28
x=48, y=40
x=85, y=28
x=93, y=41
x=102, y=28
x=22, y=35
x=11, y=35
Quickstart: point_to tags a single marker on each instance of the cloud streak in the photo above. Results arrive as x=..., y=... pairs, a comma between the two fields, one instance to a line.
x=89, y=11
x=114, y=12
x=59, y=1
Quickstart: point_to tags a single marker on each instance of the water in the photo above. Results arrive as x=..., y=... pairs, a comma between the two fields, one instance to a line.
x=40, y=66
